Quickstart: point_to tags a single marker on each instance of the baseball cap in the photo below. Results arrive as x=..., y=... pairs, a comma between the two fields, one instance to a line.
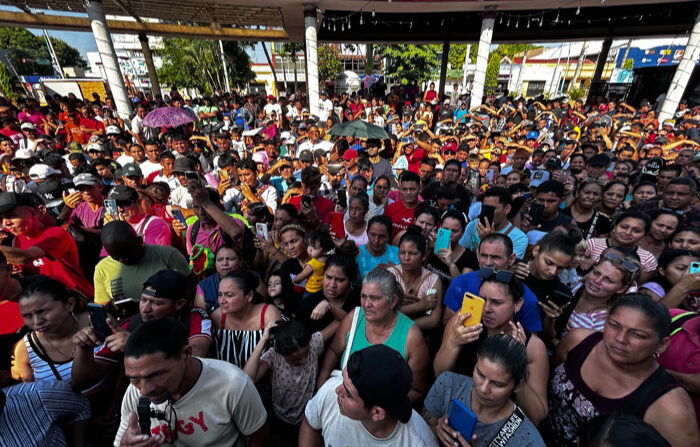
x=306, y=156
x=669, y=122
x=654, y=165
x=302, y=125
x=23, y=154
x=51, y=192
x=538, y=177
x=270, y=97
x=27, y=126
x=598, y=160
x=349, y=154
x=323, y=93
x=11, y=200
x=450, y=146
x=183, y=164
x=382, y=378
x=112, y=130
x=92, y=147
x=124, y=193
x=41, y=171
x=168, y=284
x=532, y=135
x=74, y=146
x=132, y=170
x=85, y=179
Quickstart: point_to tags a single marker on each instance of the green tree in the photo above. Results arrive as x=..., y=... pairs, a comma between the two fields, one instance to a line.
x=629, y=64
x=190, y=63
x=411, y=64
x=24, y=50
x=492, y=69
x=512, y=49
x=457, y=53
x=329, y=66
x=8, y=87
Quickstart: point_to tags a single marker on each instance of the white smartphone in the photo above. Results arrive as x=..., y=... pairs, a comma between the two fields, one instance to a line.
x=261, y=230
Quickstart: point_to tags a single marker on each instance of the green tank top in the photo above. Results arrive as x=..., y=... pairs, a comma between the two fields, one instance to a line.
x=396, y=340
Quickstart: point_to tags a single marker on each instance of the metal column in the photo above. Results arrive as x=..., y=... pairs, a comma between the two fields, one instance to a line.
x=148, y=56
x=443, y=69
x=311, y=58
x=682, y=74
x=602, y=59
x=105, y=46
x=482, y=58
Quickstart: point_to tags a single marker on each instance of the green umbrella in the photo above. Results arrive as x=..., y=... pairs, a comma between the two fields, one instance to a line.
x=359, y=129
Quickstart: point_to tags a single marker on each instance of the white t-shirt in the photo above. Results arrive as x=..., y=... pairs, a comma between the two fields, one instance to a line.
x=326, y=107
x=221, y=406
x=323, y=414
x=269, y=108
x=124, y=159
x=148, y=167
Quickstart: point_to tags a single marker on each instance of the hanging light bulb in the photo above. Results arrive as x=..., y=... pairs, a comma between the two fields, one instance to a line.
x=556, y=20
x=517, y=22
x=542, y=21
x=508, y=24
x=500, y=20
x=349, y=22
x=528, y=23
x=372, y=12
x=360, y=17
x=334, y=29
x=411, y=26
x=342, y=26
x=578, y=8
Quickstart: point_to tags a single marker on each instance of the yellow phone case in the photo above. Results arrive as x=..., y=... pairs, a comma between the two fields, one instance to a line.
x=473, y=305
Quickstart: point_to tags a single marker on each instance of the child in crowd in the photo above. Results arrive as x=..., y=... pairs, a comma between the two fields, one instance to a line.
x=320, y=247
x=293, y=362
x=570, y=276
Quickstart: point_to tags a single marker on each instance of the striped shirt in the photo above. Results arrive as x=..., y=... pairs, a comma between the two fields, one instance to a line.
x=598, y=245
x=34, y=410
x=41, y=366
x=594, y=321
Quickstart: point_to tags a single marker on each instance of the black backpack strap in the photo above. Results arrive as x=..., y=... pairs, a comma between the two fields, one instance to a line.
x=194, y=231
x=41, y=352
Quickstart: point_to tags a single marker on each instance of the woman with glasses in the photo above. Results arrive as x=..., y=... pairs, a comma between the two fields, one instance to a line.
x=609, y=278
x=591, y=221
x=628, y=229
x=673, y=285
x=503, y=296
x=663, y=224
x=616, y=371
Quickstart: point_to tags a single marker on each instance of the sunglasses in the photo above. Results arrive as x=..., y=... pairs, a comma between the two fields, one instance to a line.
x=626, y=264
x=676, y=212
x=504, y=276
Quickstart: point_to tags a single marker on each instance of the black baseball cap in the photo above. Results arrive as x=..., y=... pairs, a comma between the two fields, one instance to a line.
x=11, y=200
x=51, y=192
x=168, y=284
x=123, y=193
x=382, y=378
x=598, y=160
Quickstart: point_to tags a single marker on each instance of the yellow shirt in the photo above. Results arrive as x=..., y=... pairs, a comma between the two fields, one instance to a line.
x=315, y=282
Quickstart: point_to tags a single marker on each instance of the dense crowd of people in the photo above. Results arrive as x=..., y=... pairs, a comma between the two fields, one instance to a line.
x=254, y=277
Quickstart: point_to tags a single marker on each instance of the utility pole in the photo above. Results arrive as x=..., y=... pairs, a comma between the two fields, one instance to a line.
x=467, y=59
x=223, y=60
x=54, y=59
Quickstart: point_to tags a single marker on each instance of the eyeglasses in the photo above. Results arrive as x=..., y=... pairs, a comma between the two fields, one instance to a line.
x=626, y=264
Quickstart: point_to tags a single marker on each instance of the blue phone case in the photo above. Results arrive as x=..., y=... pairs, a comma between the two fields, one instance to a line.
x=462, y=419
x=442, y=240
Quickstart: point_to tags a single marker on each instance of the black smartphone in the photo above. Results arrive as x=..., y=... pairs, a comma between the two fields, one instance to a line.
x=559, y=298
x=343, y=198
x=527, y=195
x=177, y=215
x=487, y=212
x=307, y=200
x=536, y=210
x=98, y=318
x=144, y=412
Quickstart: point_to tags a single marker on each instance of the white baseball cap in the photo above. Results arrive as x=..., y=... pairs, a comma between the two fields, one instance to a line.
x=23, y=154
x=41, y=171
x=27, y=126
x=113, y=130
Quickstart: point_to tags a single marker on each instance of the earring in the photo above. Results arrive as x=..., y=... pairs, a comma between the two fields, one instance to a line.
x=656, y=355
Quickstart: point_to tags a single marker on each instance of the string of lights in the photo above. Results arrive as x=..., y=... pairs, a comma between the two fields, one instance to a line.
x=506, y=19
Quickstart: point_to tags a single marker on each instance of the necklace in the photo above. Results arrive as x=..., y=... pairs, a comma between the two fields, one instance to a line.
x=75, y=322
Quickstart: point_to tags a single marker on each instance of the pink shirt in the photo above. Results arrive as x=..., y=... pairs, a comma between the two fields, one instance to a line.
x=597, y=246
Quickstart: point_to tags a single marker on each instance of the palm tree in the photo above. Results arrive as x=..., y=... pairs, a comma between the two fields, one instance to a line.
x=269, y=62
x=292, y=49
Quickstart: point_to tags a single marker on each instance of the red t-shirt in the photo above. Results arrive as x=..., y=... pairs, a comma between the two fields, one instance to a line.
x=415, y=159
x=61, y=260
x=401, y=217
x=323, y=207
x=91, y=124
x=10, y=318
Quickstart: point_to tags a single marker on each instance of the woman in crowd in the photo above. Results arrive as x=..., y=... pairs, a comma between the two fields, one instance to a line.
x=53, y=315
x=498, y=378
x=590, y=220
x=454, y=260
x=426, y=217
x=379, y=196
x=272, y=246
x=241, y=318
x=503, y=296
x=377, y=251
x=422, y=301
x=614, y=193
x=295, y=244
x=379, y=321
x=620, y=430
x=615, y=371
x=227, y=259
x=609, y=278
x=687, y=238
x=641, y=192
x=664, y=223
x=673, y=284
x=324, y=310
x=628, y=229
x=356, y=225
